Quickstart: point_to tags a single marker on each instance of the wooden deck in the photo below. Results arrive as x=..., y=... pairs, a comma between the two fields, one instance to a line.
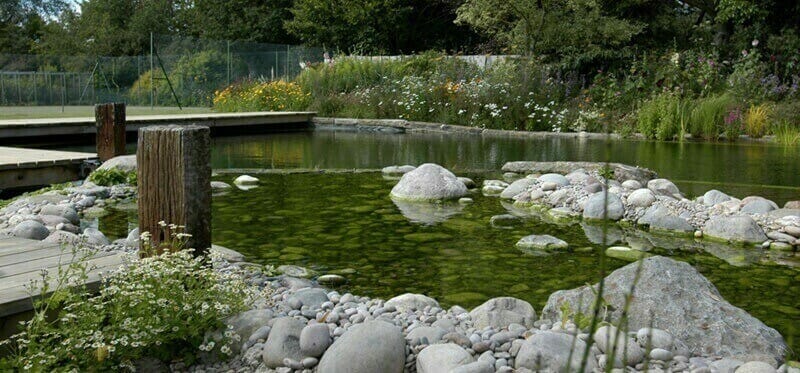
x=22, y=261
x=21, y=167
x=18, y=128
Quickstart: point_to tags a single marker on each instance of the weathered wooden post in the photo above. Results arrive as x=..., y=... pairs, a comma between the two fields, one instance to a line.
x=174, y=177
x=110, y=122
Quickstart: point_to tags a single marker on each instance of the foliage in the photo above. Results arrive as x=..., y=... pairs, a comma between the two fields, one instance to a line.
x=112, y=176
x=156, y=307
x=51, y=188
x=575, y=31
x=708, y=117
x=194, y=78
x=787, y=134
x=664, y=117
x=756, y=120
x=255, y=96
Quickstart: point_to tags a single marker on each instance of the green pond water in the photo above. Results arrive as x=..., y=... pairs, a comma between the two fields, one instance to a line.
x=347, y=224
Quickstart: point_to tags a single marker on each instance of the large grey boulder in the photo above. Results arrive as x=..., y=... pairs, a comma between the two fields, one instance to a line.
x=371, y=347
x=501, y=312
x=674, y=297
x=433, y=334
x=642, y=197
x=621, y=171
x=244, y=325
x=541, y=242
x=442, y=358
x=126, y=163
x=608, y=338
x=736, y=228
x=660, y=218
x=63, y=237
x=594, y=207
x=93, y=236
x=315, y=339
x=64, y=211
x=309, y=297
x=283, y=342
x=550, y=352
x=663, y=187
x=517, y=187
x=757, y=205
x=713, y=197
x=558, y=179
x=429, y=182
x=31, y=229
x=411, y=302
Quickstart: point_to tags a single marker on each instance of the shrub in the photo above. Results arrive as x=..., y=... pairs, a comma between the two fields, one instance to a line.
x=707, y=118
x=663, y=117
x=112, y=176
x=158, y=307
x=276, y=95
x=756, y=120
x=194, y=78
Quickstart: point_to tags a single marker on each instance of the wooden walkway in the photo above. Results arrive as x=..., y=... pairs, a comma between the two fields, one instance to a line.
x=20, y=167
x=22, y=261
x=17, y=128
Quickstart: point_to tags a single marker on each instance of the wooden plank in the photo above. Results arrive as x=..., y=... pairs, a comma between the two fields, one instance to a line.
x=18, y=299
x=36, y=253
x=37, y=264
x=22, y=279
x=86, y=125
x=21, y=245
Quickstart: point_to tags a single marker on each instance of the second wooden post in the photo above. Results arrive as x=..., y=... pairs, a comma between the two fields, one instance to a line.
x=110, y=122
x=174, y=178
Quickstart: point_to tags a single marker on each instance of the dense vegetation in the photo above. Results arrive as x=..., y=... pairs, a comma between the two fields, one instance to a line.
x=664, y=97
x=662, y=68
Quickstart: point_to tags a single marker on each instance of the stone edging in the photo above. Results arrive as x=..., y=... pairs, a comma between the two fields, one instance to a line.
x=413, y=126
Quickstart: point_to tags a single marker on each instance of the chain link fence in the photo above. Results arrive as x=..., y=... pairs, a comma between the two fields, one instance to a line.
x=178, y=71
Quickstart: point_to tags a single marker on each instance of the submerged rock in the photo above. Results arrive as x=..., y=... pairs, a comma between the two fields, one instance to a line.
x=429, y=182
x=699, y=317
x=245, y=180
x=397, y=170
x=427, y=212
x=542, y=242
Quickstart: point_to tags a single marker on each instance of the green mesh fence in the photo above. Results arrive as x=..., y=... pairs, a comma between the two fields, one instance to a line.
x=179, y=71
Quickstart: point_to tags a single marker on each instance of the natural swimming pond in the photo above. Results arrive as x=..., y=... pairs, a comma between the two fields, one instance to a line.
x=347, y=224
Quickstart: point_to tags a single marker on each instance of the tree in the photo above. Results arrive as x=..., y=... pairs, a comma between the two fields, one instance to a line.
x=578, y=30
x=349, y=25
x=22, y=23
x=252, y=20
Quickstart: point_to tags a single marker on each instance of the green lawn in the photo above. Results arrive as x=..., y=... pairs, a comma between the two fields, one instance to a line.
x=30, y=112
